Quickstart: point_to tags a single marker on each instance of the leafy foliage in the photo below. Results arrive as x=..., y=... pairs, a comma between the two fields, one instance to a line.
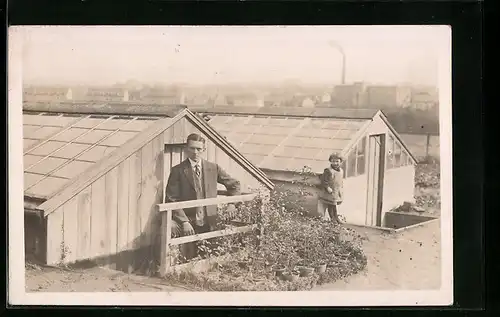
x=288, y=238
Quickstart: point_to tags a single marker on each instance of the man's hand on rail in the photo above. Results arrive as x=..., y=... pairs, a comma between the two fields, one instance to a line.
x=187, y=229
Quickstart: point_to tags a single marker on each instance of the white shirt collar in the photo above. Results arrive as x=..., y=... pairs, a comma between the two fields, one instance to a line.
x=193, y=163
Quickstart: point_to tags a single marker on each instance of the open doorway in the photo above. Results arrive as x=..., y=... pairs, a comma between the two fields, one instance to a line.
x=376, y=163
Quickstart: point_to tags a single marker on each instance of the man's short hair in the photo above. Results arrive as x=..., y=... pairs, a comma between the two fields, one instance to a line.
x=335, y=156
x=195, y=137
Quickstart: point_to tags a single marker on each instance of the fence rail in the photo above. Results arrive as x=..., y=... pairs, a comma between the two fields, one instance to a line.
x=166, y=231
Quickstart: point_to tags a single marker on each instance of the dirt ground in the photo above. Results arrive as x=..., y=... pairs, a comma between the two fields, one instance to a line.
x=410, y=260
x=92, y=280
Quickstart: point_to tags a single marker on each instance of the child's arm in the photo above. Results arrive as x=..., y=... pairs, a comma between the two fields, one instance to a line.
x=325, y=180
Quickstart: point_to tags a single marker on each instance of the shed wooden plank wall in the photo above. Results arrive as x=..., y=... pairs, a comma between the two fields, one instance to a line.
x=178, y=133
x=112, y=216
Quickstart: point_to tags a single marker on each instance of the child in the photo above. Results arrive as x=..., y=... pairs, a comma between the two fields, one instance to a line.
x=332, y=186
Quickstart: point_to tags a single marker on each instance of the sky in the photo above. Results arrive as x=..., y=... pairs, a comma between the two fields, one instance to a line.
x=220, y=55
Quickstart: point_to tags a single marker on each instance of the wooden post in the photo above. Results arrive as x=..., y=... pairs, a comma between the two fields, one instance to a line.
x=166, y=237
x=427, y=145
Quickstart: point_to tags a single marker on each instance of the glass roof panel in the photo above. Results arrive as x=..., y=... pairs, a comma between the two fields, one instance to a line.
x=274, y=130
x=29, y=129
x=245, y=128
x=69, y=134
x=30, y=179
x=286, y=151
x=44, y=133
x=96, y=153
x=297, y=141
x=47, y=187
x=260, y=149
x=114, y=124
x=73, y=169
x=255, y=159
x=32, y=119
x=57, y=120
x=218, y=120
x=238, y=137
x=336, y=144
x=344, y=134
x=305, y=153
x=93, y=136
x=118, y=138
x=47, y=165
x=275, y=163
x=137, y=125
x=258, y=121
x=266, y=139
x=47, y=148
x=28, y=143
x=29, y=160
x=88, y=123
x=71, y=150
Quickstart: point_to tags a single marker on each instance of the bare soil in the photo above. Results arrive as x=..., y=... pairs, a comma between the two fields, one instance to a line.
x=410, y=260
x=48, y=279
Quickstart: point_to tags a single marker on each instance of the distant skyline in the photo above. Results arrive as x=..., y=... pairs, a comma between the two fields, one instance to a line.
x=227, y=55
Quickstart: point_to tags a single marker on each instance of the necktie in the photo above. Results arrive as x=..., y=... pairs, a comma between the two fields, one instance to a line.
x=197, y=170
x=200, y=214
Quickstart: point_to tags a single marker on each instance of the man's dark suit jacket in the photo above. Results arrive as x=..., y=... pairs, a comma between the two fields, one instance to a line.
x=180, y=187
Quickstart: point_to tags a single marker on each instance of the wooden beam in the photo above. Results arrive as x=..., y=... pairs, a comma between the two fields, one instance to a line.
x=212, y=234
x=205, y=202
x=108, y=108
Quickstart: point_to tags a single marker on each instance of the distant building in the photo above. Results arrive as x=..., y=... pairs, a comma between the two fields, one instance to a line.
x=274, y=100
x=424, y=98
x=34, y=94
x=308, y=102
x=380, y=96
x=350, y=96
x=244, y=100
x=197, y=100
x=164, y=96
x=135, y=95
x=113, y=94
x=326, y=97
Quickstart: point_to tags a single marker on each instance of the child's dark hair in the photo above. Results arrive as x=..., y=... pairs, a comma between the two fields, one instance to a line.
x=335, y=156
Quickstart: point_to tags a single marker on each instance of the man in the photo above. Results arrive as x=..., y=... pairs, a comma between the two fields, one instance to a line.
x=196, y=178
x=332, y=184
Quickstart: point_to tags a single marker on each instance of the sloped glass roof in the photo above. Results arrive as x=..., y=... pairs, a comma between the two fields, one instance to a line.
x=59, y=147
x=287, y=143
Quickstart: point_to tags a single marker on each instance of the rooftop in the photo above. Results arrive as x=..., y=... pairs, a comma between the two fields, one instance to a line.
x=58, y=147
x=287, y=143
x=291, y=112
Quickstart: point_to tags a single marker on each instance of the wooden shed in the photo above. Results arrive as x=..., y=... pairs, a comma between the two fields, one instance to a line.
x=94, y=175
x=379, y=168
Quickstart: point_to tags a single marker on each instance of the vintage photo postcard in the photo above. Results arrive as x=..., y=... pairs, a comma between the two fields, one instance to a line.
x=230, y=166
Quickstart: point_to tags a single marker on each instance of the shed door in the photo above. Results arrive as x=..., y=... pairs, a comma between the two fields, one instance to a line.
x=376, y=157
x=174, y=154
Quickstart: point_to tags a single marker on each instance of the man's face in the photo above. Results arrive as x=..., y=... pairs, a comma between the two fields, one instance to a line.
x=335, y=163
x=194, y=150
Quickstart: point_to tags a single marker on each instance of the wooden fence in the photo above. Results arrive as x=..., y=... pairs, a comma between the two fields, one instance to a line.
x=166, y=231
